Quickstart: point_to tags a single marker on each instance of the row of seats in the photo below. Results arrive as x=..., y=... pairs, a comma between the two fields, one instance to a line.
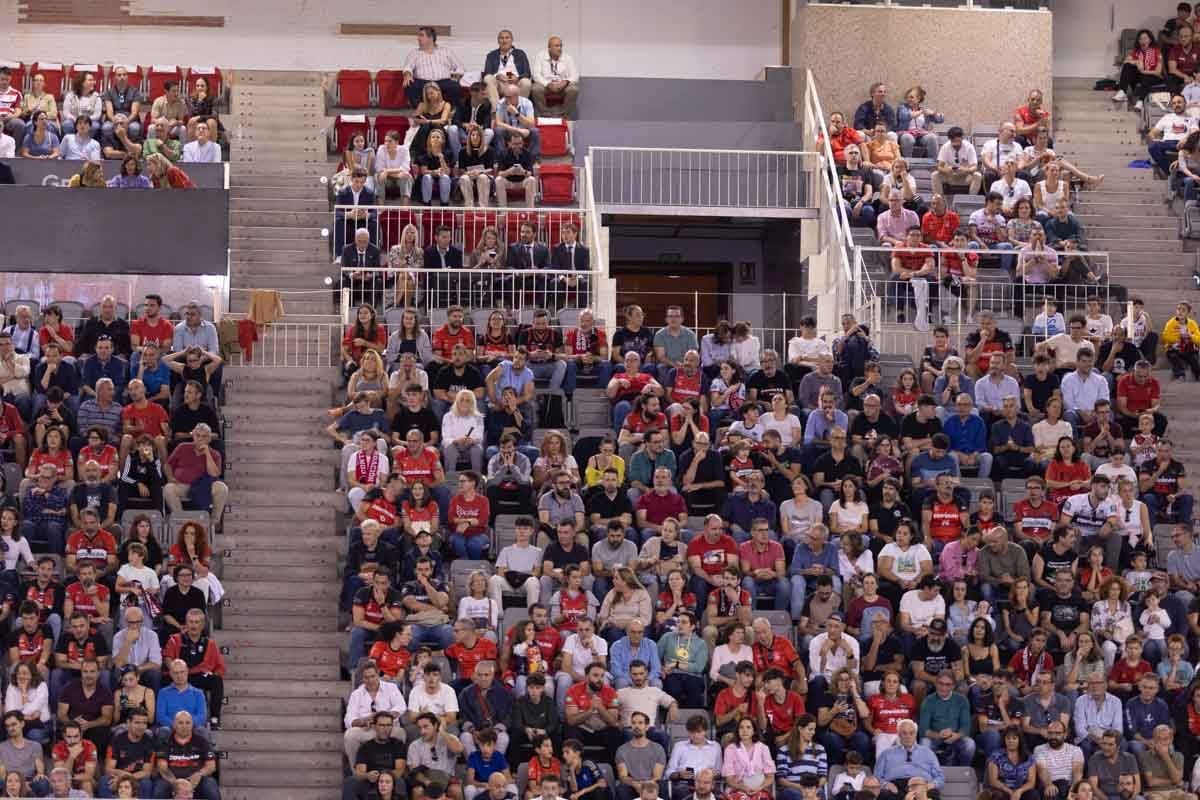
x=151, y=79
x=74, y=311
x=555, y=133
x=358, y=88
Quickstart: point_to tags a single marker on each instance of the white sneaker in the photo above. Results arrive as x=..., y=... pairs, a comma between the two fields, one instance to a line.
x=1137, y=106
x=1119, y=97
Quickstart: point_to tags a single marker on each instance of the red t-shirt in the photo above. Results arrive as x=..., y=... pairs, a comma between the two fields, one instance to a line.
x=10, y=422
x=780, y=716
x=356, y=352
x=88, y=756
x=580, y=342
x=85, y=603
x=467, y=660
x=444, y=340
x=1036, y=522
x=151, y=420
x=476, y=511
x=1185, y=62
x=1023, y=665
x=106, y=458
x=1124, y=672
x=382, y=511
x=637, y=423
x=580, y=696
x=781, y=655
x=548, y=639
x=1030, y=117
x=93, y=550
x=952, y=263
x=887, y=713
x=659, y=507
x=161, y=333
x=637, y=383
x=913, y=259
x=426, y=513
x=64, y=332
x=61, y=461
x=714, y=556
x=420, y=467
x=572, y=609
x=940, y=229
x=1138, y=396
x=392, y=663
x=1063, y=472
x=685, y=388
x=838, y=143
x=727, y=701
x=945, y=524
x=701, y=421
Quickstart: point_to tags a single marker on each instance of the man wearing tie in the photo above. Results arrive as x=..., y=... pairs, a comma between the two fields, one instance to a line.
x=527, y=253
x=569, y=254
x=365, y=287
x=350, y=219
x=443, y=255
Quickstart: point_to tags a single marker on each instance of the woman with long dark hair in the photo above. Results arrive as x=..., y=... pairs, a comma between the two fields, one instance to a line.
x=1142, y=70
x=367, y=333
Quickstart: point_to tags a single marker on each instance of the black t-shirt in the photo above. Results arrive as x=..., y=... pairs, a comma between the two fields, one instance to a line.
x=534, y=339
x=1041, y=390
x=1000, y=337
x=1064, y=612
x=888, y=650
x=184, y=419
x=448, y=380
x=80, y=705
x=888, y=519
x=1126, y=358
x=1054, y=561
x=884, y=426
x=915, y=429
x=598, y=502
x=768, y=386
x=640, y=341
x=935, y=359
x=836, y=470
x=93, y=646
x=854, y=182
x=560, y=558
x=712, y=468
x=185, y=758
x=177, y=604
x=1168, y=480
x=416, y=590
x=508, y=159
x=380, y=756
x=129, y=755
x=422, y=419
x=95, y=497
x=937, y=661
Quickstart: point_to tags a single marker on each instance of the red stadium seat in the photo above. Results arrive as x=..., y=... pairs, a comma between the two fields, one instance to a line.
x=54, y=75
x=346, y=125
x=157, y=77
x=16, y=72
x=473, y=224
x=510, y=229
x=354, y=88
x=389, y=122
x=210, y=74
x=554, y=222
x=390, y=86
x=556, y=138
x=392, y=222
x=558, y=184
x=76, y=70
x=137, y=77
x=431, y=220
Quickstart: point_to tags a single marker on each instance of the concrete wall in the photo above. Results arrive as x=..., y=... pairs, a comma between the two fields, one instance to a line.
x=964, y=58
x=664, y=39
x=1087, y=31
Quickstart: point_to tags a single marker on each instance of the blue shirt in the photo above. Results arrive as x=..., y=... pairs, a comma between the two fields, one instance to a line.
x=740, y=510
x=117, y=369
x=927, y=467
x=484, y=769
x=353, y=422
x=894, y=764
x=171, y=701
x=156, y=378
x=966, y=436
x=1142, y=718
x=622, y=654
x=804, y=557
x=816, y=428
x=524, y=109
x=1019, y=432
x=640, y=468
x=510, y=377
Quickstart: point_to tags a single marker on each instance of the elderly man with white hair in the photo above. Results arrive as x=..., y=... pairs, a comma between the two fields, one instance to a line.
x=905, y=761
x=194, y=473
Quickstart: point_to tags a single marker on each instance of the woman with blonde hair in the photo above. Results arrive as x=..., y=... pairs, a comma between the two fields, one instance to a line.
x=627, y=602
x=435, y=168
x=476, y=169
x=404, y=257
x=462, y=432
x=431, y=114
x=165, y=175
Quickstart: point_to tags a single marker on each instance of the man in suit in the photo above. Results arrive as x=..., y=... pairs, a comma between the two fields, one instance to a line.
x=443, y=255
x=567, y=255
x=365, y=287
x=350, y=220
x=525, y=254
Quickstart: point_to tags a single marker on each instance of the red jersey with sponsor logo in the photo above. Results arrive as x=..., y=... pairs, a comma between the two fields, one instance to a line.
x=685, y=388
x=392, y=663
x=106, y=457
x=727, y=701
x=637, y=423
x=475, y=512
x=573, y=609
x=382, y=511
x=47, y=599
x=886, y=713
x=444, y=340
x=468, y=658
x=86, y=603
x=779, y=655
x=29, y=645
x=945, y=524
x=780, y=716
x=61, y=461
x=161, y=332
x=91, y=549
x=88, y=756
x=714, y=556
x=1036, y=523
x=421, y=467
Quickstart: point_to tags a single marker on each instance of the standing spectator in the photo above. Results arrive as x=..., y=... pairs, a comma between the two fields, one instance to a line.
x=430, y=63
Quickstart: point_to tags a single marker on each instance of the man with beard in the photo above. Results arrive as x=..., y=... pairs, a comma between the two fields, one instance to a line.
x=1059, y=763
x=593, y=713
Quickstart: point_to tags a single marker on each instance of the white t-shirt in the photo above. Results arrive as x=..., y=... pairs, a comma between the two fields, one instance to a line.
x=789, y=428
x=1100, y=327
x=647, y=700
x=1088, y=518
x=481, y=610
x=921, y=612
x=1158, y=628
x=520, y=559
x=1017, y=190
x=906, y=564
x=147, y=577
x=8, y=146
x=834, y=661
x=421, y=376
x=865, y=563
x=195, y=153
x=443, y=702
x=801, y=518
x=1175, y=127
x=582, y=655
x=1114, y=473
x=19, y=550
x=1007, y=151
x=807, y=349
x=964, y=156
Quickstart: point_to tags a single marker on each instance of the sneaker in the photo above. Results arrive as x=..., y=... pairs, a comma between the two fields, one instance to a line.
x=1119, y=97
x=214, y=723
x=1137, y=106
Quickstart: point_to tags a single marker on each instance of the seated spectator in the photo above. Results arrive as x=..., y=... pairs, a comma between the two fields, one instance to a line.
x=1082, y=386
x=179, y=695
x=393, y=173
x=194, y=471
x=476, y=167
x=509, y=473
x=945, y=723
x=81, y=145
x=988, y=230
x=515, y=171
x=957, y=164
x=89, y=704
x=1163, y=487
x=1180, y=339
x=203, y=150
x=880, y=150
x=427, y=602
x=873, y=111
x=968, y=436
x=915, y=123
x=41, y=142
x=908, y=765
x=503, y=67
x=515, y=119
x=1141, y=72
x=121, y=142
x=997, y=151
x=161, y=142
x=380, y=755
x=1010, y=188
x=186, y=755
x=82, y=100
x=858, y=188
x=892, y=226
x=555, y=76
x=609, y=555
x=435, y=168
x=76, y=761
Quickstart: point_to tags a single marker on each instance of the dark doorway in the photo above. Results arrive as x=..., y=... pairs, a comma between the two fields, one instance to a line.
x=701, y=289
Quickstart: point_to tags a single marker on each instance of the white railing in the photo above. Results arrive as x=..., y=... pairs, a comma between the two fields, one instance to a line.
x=431, y=291
x=299, y=345
x=604, y=297
x=467, y=224
x=975, y=5
x=703, y=178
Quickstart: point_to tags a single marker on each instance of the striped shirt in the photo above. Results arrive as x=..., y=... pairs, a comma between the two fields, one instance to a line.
x=91, y=414
x=433, y=65
x=811, y=762
x=1058, y=763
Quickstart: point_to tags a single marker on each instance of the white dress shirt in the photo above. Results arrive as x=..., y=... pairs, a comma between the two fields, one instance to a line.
x=546, y=71
x=361, y=704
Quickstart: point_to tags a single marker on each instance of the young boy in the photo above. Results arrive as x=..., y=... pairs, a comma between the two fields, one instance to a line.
x=1154, y=621
x=1039, y=387
x=1050, y=322
x=850, y=781
x=1138, y=575
x=936, y=354
x=482, y=763
x=1123, y=677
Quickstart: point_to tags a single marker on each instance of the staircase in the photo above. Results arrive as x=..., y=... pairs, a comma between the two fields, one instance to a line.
x=1127, y=217
x=281, y=727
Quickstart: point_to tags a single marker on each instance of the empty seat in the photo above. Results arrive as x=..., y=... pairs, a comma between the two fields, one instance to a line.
x=157, y=76
x=383, y=123
x=392, y=222
x=389, y=89
x=556, y=137
x=345, y=126
x=474, y=223
x=557, y=184
x=434, y=218
x=72, y=311
x=554, y=222
x=354, y=88
x=569, y=317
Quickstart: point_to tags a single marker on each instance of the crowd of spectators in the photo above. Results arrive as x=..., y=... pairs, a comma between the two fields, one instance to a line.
x=113, y=674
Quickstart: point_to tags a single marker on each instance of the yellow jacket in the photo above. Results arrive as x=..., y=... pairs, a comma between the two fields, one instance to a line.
x=1170, y=334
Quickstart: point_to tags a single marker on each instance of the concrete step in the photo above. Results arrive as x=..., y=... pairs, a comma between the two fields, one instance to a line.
x=287, y=690
x=267, y=655
x=265, y=639
x=238, y=454
x=281, y=219
x=250, y=792
x=312, y=672
x=245, y=472
x=280, y=426
x=323, y=780
x=253, y=759
x=266, y=235
x=240, y=179
x=319, y=741
x=278, y=204
x=304, y=192
x=279, y=722
x=264, y=558
x=254, y=623
x=305, y=257
x=289, y=499
x=250, y=543
x=254, y=572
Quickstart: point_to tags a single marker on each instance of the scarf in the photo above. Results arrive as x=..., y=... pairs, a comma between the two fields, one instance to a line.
x=367, y=470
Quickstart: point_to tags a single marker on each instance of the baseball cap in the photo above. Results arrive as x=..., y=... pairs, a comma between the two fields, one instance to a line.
x=938, y=625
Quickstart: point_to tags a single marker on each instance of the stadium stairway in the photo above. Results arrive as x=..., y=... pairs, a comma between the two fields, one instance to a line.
x=281, y=726
x=1127, y=216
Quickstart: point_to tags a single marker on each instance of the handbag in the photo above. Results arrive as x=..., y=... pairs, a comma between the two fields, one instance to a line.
x=843, y=727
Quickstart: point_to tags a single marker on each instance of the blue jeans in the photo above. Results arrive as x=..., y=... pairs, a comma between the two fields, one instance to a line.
x=620, y=411
x=989, y=741
x=443, y=184
x=958, y=753
x=52, y=532
x=1156, y=505
x=360, y=638
x=773, y=590
x=1163, y=153
x=836, y=746
x=472, y=547
x=553, y=371
x=440, y=636
x=800, y=592
x=865, y=217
